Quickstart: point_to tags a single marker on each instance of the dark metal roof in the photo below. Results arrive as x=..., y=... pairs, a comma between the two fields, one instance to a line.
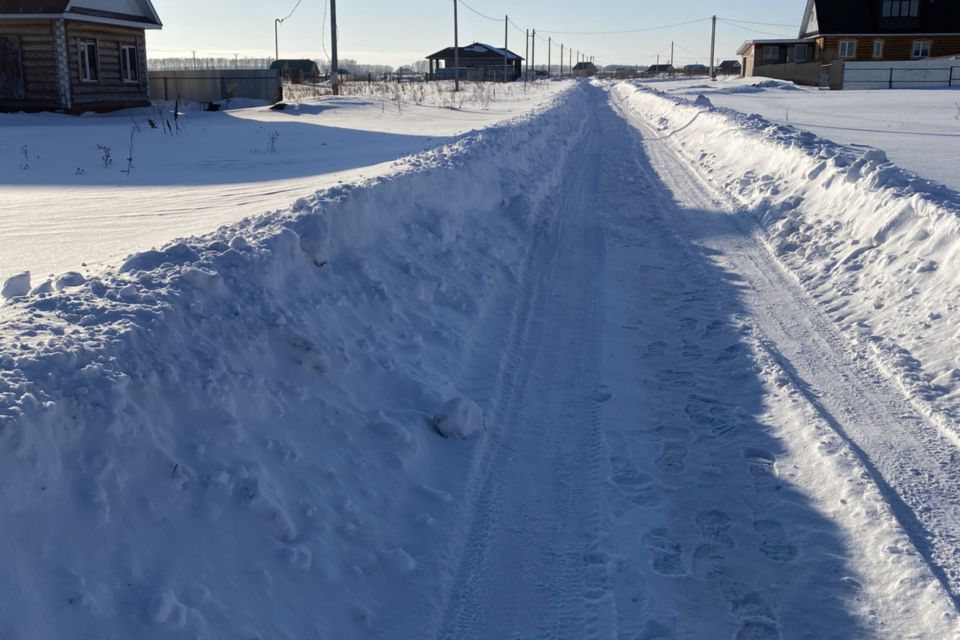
x=303, y=66
x=475, y=50
x=33, y=6
x=839, y=17
x=148, y=16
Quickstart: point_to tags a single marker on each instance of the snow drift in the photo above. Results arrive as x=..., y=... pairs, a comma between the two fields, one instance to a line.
x=231, y=436
x=877, y=246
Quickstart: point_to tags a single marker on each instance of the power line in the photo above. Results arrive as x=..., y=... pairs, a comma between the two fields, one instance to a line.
x=763, y=33
x=640, y=30
x=764, y=24
x=292, y=11
x=482, y=15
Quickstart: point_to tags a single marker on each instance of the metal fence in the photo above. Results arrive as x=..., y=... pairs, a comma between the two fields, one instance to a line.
x=210, y=85
x=917, y=74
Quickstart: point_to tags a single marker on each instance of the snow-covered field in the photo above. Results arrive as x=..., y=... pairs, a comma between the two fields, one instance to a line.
x=61, y=208
x=918, y=129
x=627, y=366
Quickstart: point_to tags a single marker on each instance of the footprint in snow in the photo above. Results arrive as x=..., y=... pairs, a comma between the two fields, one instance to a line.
x=667, y=553
x=671, y=457
x=773, y=541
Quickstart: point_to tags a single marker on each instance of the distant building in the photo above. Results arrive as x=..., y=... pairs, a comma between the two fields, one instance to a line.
x=297, y=71
x=585, y=69
x=478, y=62
x=74, y=55
x=696, y=69
x=729, y=68
x=657, y=69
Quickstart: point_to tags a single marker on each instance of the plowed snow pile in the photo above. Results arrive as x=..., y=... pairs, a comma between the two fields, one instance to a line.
x=877, y=246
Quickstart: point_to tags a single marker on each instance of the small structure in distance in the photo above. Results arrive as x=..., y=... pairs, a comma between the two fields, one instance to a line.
x=297, y=71
x=478, y=62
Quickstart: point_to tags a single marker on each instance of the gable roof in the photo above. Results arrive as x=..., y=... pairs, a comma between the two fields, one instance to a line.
x=475, y=50
x=135, y=13
x=303, y=66
x=855, y=17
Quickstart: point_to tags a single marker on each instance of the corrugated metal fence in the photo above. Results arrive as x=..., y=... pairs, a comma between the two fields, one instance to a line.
x=913, y=74
x=209, y=85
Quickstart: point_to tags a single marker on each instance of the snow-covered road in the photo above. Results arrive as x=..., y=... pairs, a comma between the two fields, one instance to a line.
x=686, y=449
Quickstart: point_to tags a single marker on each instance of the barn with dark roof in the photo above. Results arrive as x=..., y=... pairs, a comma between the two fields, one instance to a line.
x=74, y=55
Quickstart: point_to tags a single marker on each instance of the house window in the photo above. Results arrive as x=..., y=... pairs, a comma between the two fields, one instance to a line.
x=771, y=53
x=848, y=48
x=900, y=8
x=800, y=53
x=89, y=61
x=878, y=49
x=129, y=69
x=921, y=48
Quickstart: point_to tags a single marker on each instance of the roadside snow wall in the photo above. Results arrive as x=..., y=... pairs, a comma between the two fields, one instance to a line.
x=231, y=437
x=878, y=247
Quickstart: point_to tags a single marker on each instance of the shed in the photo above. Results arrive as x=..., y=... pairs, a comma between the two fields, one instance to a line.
x=297, y=71
x=74, y=55
x=478, y=61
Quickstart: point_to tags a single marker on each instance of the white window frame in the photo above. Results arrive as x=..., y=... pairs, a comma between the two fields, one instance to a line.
x=853, y=48
x=806, y=53
x=878, y=47
x=130, y=69
x=921, y=49
x=767, y=49
x=85, y=71
x=900, y=9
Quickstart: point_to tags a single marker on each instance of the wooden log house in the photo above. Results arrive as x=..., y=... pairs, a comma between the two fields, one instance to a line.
x=74, y=55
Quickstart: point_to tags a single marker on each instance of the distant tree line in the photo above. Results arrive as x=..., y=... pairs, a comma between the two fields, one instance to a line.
x=238, y=62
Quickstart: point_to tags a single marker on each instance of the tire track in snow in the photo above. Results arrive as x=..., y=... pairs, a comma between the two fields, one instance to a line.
x=530, y=565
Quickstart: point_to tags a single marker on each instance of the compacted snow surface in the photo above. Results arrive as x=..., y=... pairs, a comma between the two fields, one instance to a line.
x=629, y=365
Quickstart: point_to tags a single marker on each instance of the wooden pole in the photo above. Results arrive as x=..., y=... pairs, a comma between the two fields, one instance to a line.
x=334, y=63
x=713, y=44
x=456, y=50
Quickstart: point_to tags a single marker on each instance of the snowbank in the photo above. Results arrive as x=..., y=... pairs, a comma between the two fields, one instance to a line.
x=877, y=246
x=231, y=436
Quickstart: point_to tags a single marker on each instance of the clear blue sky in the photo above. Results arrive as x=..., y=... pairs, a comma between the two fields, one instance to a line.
x=399, y=32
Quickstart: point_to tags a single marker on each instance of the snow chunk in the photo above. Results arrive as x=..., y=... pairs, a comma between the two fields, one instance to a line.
x=16, y=286
x=702, y=101
x=69, y=279
x=459, y=418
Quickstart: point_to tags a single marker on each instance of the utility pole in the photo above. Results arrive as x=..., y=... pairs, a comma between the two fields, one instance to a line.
x=276, y=39
x=561, y=58
x=194, y=59
x=713, y=44
x=334, y=65
x=456, y=50
x=570, y=60
x=549, y=54
x=533, y=53
x=506, y=45
x=526, y=56
x=671, y=53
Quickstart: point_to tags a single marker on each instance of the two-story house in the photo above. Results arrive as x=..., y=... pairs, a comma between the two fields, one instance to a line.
x=835, y=31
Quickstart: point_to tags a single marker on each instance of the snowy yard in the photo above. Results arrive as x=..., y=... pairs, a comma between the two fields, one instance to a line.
x=918, y=129
x=61, y=206
x=597, y=361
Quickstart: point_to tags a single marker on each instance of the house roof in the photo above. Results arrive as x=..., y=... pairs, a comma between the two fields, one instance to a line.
x=138, y=13
x=759, y=43
x=863, y=17
x=584, y=65
x=304, y=66
x=475, y=50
